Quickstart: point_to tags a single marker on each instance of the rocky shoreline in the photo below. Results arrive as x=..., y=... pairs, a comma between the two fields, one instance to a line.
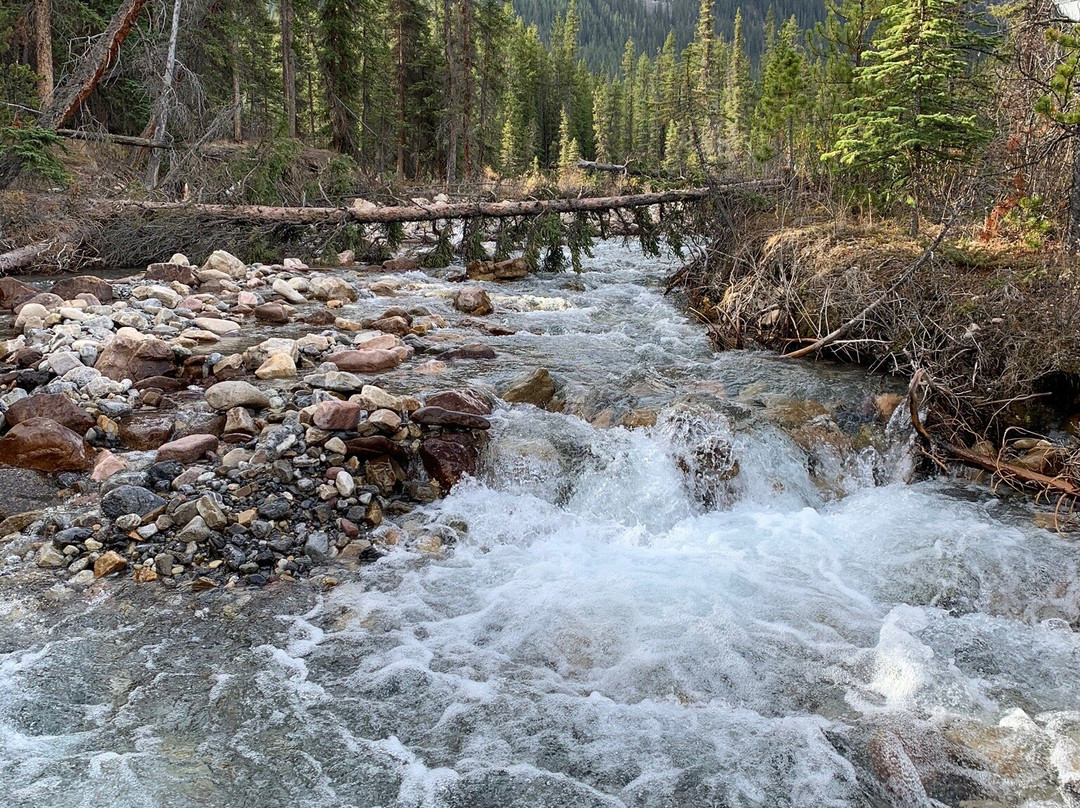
x=184, y=464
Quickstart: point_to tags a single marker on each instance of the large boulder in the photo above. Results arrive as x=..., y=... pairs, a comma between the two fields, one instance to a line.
x=13, y=292
x=329, y=287
x=70, y=288
x=131, y=355
x=221, y=261
x=55, y=406
x=171, y=273
x=43, y=444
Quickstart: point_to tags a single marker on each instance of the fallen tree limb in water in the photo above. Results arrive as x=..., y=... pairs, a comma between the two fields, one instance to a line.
x=374, y=214
x=22, y=257
x=1007, y=471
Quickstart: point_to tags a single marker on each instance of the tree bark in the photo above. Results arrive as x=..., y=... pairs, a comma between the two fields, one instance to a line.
x=22, y=257
x=43, y=59
x=238, y=98
x=81, y=82
x=154, y=165
x=467, y=88
x=288, y=66
x=1073, y=235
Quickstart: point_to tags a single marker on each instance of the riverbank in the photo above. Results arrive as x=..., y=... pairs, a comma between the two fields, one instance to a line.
x=991, y=328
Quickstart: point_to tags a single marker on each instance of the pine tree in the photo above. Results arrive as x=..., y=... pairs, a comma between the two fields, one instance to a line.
x=341, y=59
x=737, y=102
x=783, y=95
x=916, y=107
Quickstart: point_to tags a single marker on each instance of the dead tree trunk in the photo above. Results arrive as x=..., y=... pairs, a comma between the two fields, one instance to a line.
x=22, y=257
x=81, y=82
x=258, y=214
x=154, y=166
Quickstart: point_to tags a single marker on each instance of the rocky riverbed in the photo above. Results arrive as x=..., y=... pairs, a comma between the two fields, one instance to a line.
x=155, y=429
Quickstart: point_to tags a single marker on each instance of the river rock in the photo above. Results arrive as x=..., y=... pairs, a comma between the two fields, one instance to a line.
x=63, y=362
x=336, y=380
x=220, y=327
x=125, y=499
x=335, y=416
x=106, y=465
x=168, y=298
x=448, y=458
x=401, y=264
x=271, y=313
x=146, y=432
x=473, y=350
x=278, y=366
x=226, y=395
x=437, y=416
x=391, y=325
x=536, y=388
x=109, y=563
x=332, y=288
x=171, y=273
x=13, y=292
x=511, y=269
x=365, y=361
x=460, y=401
x=239, y=421
x=375, y=446
x=222, y=261
x=70, y=288
x=386, y=420
x=187, y=449
x=374, y=398
x=281, y=287
x=473, y=300
x=131, y=355
x=56, y=406
x=45, y=445
x=257, y=354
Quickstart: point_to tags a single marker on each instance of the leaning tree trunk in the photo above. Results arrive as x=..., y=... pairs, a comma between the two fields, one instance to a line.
x=81, y=82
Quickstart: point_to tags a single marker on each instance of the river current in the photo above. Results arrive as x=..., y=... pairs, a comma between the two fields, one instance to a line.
x=700, y=612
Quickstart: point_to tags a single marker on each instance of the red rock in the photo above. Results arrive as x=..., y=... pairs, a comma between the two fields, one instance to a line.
x=189, y=449
x=460, y=401
x=272, y=313
x=13, y=292
x=375, y=446
x=385, y=341
x=68, y=288
x=106, y=465
x=437, y=416
x=320, y=317
x=146, y=432
x=448, y=458
x=26, y=358
x=46, y=299
x=336, y=415
x=128, y=357
x=366, y=361
x=170, y=273
x=392, y=325
x=166, y=384
x=43, y=444
x=402, y=264
x=56, y=406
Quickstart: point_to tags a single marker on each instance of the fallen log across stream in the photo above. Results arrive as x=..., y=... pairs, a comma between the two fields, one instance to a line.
x=22, y=257
x=375, y=214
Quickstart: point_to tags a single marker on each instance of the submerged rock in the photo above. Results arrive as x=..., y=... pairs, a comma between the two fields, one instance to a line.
x=537, y=388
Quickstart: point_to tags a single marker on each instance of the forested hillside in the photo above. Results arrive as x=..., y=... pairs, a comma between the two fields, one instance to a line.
x=606, y=25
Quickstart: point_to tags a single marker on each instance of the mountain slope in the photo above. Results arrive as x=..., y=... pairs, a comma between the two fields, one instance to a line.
x=607, y=24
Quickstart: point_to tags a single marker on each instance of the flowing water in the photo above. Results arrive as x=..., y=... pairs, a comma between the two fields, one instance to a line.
x=718, y=610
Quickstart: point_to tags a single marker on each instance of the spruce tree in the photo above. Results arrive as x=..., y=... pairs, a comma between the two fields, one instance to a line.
x=915, y=107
